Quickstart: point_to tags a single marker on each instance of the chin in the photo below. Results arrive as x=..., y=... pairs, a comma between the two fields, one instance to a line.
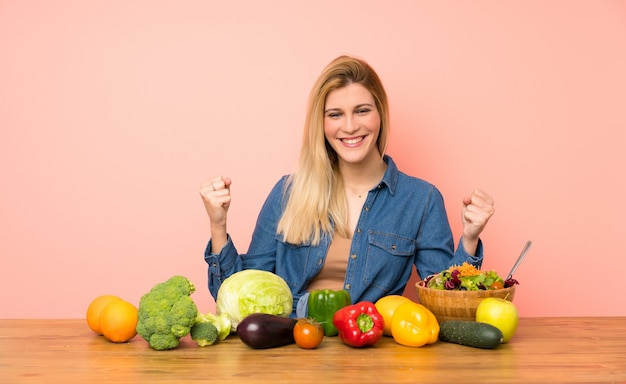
x=353, y=160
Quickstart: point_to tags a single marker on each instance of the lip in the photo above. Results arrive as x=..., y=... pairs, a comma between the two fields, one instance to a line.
x=353, y=141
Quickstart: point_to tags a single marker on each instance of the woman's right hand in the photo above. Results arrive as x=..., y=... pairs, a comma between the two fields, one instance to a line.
x=215, y=195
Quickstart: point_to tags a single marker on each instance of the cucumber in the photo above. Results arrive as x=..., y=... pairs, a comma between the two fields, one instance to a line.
x=471, y=333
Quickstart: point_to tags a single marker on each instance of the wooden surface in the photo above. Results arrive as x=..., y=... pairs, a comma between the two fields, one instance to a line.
x=548, y=350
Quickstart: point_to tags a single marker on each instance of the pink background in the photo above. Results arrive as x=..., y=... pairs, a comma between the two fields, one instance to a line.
x=113, y=112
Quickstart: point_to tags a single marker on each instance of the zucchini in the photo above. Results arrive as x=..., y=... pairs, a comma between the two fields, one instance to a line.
x=471, y=333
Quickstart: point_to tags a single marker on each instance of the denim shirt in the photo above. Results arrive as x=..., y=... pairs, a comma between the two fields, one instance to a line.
x=403, y=223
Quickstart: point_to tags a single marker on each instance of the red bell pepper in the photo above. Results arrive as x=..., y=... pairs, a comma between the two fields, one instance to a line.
x=359, y=325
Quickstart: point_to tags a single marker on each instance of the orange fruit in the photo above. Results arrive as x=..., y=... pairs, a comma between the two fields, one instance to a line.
x=386, y=306
x=118, y=321
x=94, y=310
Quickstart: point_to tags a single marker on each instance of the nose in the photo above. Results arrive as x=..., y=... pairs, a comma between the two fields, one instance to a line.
x=351, y=124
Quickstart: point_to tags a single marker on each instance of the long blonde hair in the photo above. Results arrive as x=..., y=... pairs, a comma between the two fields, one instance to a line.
x=316, y=202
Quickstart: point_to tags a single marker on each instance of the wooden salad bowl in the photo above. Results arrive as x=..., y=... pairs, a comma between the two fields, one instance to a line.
x=457, y=305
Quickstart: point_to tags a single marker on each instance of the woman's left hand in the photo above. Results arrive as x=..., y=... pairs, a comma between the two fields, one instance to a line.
x=477, y=210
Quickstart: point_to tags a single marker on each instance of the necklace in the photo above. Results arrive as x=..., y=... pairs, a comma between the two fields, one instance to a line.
x=360, y=194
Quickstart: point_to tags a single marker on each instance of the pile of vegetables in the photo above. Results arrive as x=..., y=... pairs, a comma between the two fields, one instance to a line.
x=467, y=277
x=257, y=305
x=167, y=312
x=357, y=325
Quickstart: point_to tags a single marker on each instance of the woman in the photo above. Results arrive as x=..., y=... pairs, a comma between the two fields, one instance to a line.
x=347, y=218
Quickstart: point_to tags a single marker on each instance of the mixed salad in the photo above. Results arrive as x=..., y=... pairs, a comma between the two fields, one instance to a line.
x=466, y=277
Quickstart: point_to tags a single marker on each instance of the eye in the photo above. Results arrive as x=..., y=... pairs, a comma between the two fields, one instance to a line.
x=362, y=111
x=333, y=115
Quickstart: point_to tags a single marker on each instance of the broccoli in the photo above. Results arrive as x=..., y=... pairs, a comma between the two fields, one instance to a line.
x=167, y=313
x=221, y=323
x=204, y=333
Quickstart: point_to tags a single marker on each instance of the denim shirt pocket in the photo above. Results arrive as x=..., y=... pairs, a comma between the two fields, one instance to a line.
x=389, y=257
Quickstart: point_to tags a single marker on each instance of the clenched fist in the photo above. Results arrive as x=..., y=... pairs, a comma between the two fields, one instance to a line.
x=215, y=195
x=477, y=210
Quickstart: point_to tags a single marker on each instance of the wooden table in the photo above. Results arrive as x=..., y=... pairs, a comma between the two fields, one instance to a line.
x=544, y=350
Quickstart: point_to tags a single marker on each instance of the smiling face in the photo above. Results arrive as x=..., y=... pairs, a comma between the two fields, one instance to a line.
x=352, y=124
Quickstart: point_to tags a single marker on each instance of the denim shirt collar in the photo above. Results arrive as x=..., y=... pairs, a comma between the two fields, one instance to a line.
x=390, y=178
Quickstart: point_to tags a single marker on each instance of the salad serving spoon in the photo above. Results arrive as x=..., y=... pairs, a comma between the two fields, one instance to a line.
x=520, y=258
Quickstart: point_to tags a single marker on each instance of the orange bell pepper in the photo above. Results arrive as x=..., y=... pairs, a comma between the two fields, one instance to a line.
x=414, y=325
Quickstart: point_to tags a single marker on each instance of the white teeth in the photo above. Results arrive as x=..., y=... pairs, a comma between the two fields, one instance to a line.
x=352, y=141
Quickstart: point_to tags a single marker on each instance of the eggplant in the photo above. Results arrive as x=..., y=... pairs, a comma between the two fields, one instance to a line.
x=261, y=330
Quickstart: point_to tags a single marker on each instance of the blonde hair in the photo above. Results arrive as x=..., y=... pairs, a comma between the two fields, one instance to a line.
x=316, y=202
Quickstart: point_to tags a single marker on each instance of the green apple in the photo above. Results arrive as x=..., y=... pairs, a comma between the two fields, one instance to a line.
x=500, y=313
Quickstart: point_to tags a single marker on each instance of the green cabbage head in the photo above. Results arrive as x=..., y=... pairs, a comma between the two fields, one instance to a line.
x=253, y=291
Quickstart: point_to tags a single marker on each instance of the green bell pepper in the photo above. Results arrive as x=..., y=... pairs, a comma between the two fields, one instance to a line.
x=322, y=305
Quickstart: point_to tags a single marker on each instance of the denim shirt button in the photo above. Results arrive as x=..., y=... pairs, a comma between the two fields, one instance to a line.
x=367, y=209
x=348, y=286
x=353, y=256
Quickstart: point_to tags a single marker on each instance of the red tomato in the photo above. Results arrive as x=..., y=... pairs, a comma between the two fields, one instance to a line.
x=308, y=333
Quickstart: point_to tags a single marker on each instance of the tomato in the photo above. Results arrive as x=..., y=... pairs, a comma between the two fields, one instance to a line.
x=496, y=285
x=308, y=333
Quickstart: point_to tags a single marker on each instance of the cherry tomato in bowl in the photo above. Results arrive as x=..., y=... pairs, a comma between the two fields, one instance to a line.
x=308, y=333
x=496, y=285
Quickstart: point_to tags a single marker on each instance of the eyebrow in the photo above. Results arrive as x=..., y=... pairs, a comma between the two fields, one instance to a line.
x=355, y=107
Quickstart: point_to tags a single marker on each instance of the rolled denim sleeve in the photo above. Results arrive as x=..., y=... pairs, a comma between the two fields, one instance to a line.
x=262, y=251
x=461, y=255
x=436, y=241
x=221, y=265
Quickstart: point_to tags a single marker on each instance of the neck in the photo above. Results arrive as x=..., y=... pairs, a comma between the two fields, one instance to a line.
x=360, y=178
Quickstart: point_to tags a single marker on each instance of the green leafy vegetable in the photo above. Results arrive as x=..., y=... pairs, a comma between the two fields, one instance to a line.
x=253, y=291
x=466, y=277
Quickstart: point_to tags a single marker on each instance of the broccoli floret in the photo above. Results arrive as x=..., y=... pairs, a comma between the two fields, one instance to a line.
x=221, y=322
x=204, y=333
x=162, y=342
x=167, y=313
